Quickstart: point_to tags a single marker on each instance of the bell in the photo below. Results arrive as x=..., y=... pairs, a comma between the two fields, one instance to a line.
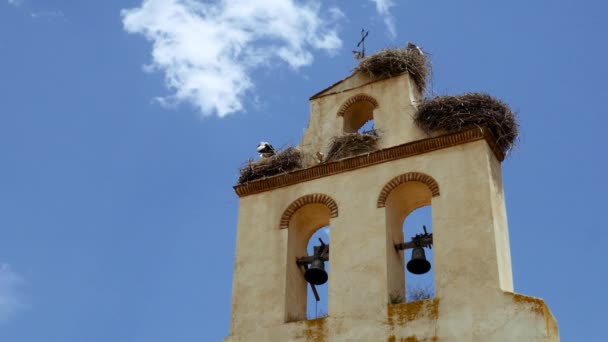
x=418, y=264
x=316, y=274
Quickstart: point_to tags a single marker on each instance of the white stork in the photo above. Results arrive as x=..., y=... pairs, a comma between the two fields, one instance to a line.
x=414, y=46
x=266, y=150
x=320, y=157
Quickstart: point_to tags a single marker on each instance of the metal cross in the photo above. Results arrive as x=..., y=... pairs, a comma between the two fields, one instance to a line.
x=361, y=43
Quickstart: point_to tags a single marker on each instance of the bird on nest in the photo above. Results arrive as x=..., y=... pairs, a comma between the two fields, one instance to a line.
x=411, y=45
x=265, y=150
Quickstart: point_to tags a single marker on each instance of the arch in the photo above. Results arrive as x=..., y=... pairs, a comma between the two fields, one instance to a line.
x=404, y=178
x=304, y=200
x=302, y=218
x=400, y=198
x=354, y=99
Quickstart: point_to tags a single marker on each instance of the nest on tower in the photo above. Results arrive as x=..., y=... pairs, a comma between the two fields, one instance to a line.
x=352, y=144
x=455, y=113
x=284, y=161
x=395, y=61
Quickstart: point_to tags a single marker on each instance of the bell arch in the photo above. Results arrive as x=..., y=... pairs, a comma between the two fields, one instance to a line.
x=404, y=178
x=356, y=111
x=354, y=99
x=302, y=218
x=304, y=200
x=400, y=197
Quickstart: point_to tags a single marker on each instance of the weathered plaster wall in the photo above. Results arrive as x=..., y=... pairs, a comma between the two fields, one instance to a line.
x=472, y=263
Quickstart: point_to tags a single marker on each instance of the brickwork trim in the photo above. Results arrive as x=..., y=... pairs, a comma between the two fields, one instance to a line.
x=405, y=178
x=305, y=200
x=354, y=99
x=374, y=158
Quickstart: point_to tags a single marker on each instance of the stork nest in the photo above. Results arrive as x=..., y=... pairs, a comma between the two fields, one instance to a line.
x=455, y=113
x=284, y=161
x=352, y=144
x=394, y=61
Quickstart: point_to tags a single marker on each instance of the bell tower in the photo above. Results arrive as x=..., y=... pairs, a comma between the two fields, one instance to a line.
x=364, y=192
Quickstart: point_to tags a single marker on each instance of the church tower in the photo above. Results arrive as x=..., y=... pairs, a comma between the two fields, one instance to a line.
x=365, y=198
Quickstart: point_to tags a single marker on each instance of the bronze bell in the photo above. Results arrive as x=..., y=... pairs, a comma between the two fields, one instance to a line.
x=418, y=264
x=316, y=274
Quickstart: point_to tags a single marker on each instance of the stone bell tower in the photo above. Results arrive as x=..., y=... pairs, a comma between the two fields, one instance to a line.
x=365, y=198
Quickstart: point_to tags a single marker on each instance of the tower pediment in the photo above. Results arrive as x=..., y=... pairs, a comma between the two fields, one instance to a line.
x=352, y=102
x=354, y=80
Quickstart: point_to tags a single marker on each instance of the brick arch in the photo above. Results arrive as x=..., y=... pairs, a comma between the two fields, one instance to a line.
x=404, y=178
x=308, y=199
x=354, y=99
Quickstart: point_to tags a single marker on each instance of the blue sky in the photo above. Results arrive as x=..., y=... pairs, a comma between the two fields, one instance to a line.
x=123, y=125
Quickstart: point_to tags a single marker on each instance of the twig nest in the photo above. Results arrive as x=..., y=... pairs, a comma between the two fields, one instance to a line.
x=287, y=160
x=392, y=62
x=455, y=113
x=352, y=144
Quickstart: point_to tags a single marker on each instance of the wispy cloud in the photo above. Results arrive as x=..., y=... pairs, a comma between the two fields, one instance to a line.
x=208, y=50
x=47, y=14
x=383, y=8
x=11, y=299
x=15, y=2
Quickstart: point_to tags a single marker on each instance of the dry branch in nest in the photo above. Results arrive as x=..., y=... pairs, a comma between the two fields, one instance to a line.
x=391, y=62
x=352, y=144
x=455, y=113
x=287, y=160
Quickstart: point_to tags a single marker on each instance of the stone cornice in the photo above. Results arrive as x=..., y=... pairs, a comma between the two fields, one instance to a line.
x=388, y=154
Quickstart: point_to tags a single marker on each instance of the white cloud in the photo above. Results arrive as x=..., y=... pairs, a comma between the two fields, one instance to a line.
x=208, y=50
x=11, y=300
x=15, y=2
x=383, y=8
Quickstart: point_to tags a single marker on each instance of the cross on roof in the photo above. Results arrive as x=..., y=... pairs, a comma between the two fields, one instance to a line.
x=361, y=43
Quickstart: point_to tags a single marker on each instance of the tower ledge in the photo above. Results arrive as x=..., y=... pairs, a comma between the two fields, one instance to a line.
x=377, y=157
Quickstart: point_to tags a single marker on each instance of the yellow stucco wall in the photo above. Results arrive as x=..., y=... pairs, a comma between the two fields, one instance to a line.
x=472, y=265
x=471, y=270
x=393, y=118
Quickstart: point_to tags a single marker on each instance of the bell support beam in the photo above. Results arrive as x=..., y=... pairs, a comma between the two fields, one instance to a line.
x=424, y=242
x=324, y=255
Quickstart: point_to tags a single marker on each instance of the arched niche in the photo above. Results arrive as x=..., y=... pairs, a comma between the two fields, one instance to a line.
x=304, y=217
x=400, y=197
x=406, y=178
x=305, y=200
x=356, y=111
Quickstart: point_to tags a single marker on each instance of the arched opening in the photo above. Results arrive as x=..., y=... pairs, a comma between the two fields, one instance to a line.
x=359, y=117
x=306, y=225
x=317, y=309
x=408, y=208
x=358, y=114
x=418, y=286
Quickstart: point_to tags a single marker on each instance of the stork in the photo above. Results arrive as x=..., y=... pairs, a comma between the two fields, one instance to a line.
x=414, y=46
x=320, y=157
x=265, y=150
